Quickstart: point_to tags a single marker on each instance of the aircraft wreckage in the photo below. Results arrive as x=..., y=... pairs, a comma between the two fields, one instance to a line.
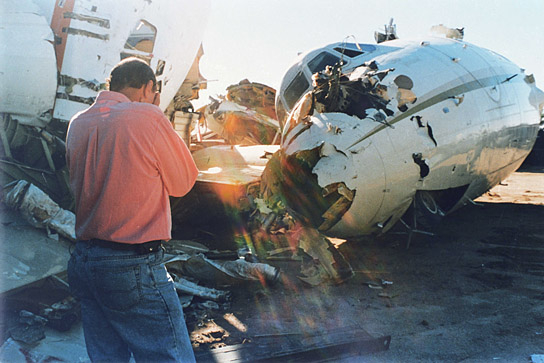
x=405, y=130
x=372, y=131
x=362, y=136
x=368, y=135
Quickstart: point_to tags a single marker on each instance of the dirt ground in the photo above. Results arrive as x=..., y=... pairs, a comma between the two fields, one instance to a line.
x=474, y=292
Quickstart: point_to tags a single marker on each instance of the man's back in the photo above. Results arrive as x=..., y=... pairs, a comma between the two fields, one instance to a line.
x=125, y=160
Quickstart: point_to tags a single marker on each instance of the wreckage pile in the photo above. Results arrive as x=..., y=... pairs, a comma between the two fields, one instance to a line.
x=28, y=312
x=246, y=116
x=196, y=271
x=271, y=231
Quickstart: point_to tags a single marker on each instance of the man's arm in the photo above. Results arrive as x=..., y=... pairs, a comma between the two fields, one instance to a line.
x=176, y=165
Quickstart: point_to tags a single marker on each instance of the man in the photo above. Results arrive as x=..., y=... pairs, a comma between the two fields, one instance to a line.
x=125, y=160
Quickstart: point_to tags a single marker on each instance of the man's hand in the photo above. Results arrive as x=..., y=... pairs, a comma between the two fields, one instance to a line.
x=157, y=98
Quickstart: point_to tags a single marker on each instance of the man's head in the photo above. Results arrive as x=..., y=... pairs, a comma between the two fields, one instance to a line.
x=134, y=78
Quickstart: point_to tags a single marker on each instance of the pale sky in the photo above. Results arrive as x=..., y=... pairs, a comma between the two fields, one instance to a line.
x=259, y=39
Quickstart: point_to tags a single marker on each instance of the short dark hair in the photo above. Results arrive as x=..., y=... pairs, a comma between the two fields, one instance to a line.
x=130, y=72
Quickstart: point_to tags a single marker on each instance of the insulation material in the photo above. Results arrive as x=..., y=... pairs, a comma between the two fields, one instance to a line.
x=228, y=272
x=40, y=210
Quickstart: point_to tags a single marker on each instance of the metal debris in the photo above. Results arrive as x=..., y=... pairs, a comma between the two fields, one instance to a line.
x=209, y=305
x=246, y=116
x=386, y=295
x=327, y=264
x=358, y=93
x=188, y=247
x=30, y=328
x=180, y=111
x=185, y=300
x=390, y=33
x=282, y=220
x=281, y=227
x=283, y=254
x=185, y=286
x=292, y=346
x=254, y=95
x=62, y=315
x=374, y=285
x=36, y=155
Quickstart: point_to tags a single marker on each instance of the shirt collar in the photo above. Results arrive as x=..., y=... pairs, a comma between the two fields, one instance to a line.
x=111, y=96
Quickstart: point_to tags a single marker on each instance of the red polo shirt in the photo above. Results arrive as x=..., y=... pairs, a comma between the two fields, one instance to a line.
x=125, y=160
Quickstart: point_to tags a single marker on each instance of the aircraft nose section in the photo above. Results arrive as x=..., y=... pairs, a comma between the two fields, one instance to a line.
x=320, y=174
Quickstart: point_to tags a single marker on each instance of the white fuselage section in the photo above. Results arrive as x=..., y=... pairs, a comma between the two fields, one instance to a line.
x=474, y=120
x=57, y=54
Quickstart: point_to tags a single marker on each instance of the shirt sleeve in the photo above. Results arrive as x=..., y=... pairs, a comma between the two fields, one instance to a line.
x=175, y=163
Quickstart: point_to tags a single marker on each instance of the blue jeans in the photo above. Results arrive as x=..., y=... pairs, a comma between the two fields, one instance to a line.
x=128, y=305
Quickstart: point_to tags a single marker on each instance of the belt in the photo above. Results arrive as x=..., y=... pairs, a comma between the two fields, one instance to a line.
x=140, y=248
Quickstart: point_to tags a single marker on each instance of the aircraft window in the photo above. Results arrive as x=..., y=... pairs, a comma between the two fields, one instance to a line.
x=160, y=67
x=353, y=50
x=142, y=38
x=348, y=52
x=321, y=61
x=295, y=89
